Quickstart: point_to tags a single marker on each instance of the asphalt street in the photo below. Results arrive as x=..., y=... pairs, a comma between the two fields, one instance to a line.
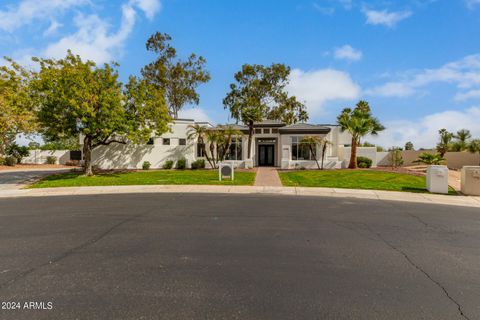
x=192, y=256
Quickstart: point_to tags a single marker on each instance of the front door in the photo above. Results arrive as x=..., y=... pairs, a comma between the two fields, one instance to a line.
x=266, y=155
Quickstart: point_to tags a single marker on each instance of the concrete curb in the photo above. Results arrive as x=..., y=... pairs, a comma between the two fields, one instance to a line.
x=287, y=191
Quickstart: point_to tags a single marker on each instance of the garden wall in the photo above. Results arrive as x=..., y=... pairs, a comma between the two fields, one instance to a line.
x=454, y=160
x=40, y=156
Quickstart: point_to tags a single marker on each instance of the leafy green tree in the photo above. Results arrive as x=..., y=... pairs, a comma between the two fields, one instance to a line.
x=409, y=146
x=474, y=146
x=17, y=112
x=259, y=93
x=430, y=159
x=461, y=140
x=178, y=79
x=78, y=98
x=68, y=143
x=445, y=143
x=359, y=122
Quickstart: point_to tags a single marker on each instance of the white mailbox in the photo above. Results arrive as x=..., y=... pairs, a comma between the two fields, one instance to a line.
x=437, y=179
x=471, y=181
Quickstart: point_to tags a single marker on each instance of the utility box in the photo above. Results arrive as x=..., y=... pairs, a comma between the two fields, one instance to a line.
x=225, y=170
x=471, y=181
x=437, y=179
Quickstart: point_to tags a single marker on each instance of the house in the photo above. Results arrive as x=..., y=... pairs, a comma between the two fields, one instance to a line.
x=274, y=144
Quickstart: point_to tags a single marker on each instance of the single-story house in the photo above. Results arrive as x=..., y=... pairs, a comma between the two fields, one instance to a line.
x=274, y=144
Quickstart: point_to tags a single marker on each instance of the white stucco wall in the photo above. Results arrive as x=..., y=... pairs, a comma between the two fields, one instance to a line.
x=368, y=152
x=40, y=156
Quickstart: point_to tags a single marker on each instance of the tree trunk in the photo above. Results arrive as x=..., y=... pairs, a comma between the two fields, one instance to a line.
x=324, y=148
x=250, y=137
x=212, y=153
x=353, y=155
x=87, y=155
x=314, y=156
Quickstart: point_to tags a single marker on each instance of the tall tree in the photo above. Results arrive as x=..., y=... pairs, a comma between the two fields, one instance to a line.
x=409, y=146
x=259, y=93
x=178, y=79
x=445, y=143
x=461, y=140
x=359, y=122
x=17, y=114
x=474, y=146
x=78, y=98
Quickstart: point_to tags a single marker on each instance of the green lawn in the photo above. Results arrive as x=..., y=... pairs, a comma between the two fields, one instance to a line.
x=355, y=179
x=75, y=179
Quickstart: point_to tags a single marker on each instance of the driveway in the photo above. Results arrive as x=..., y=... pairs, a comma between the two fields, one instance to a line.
x=191, y=256
x=15, y=179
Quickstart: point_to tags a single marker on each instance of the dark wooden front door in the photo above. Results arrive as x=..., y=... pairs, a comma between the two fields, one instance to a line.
x=266, y=155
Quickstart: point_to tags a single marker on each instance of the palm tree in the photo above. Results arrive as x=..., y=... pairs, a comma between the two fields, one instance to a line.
x=430, y=159
x=324, y=149
x=312, y=142
x=462, y=137
x=228, y=132
x=359, y=122
x=445, y=143
x=474, y=146
x=198, y=132
x=213, y=137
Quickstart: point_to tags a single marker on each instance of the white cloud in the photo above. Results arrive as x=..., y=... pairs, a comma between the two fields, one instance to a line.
x=464, y=73
x=149, y=7
x=424, y=132
x=27, y=11
x=54, y=26
x=94, y=41
x=471, y=4
x=324, y=10
x=386, y=18
x=196, y=113
x=317, y=87
x=348, y=53
x=464, y=96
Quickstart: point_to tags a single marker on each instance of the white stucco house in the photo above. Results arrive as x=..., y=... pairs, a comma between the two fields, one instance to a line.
x=274, y=144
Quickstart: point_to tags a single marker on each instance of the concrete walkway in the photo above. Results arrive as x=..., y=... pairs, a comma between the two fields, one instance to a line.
x=454, y=179
x=16, y=178
x=280, y=191
x=267, y=177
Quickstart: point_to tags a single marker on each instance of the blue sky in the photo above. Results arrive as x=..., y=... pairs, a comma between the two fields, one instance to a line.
x=416, y=62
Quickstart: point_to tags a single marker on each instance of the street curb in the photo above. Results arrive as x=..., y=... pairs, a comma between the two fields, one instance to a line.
x=280, y=191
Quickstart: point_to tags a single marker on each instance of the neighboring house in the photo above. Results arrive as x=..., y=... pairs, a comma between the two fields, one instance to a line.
x=273, y=144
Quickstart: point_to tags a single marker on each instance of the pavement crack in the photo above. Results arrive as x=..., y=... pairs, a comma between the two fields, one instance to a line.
x=72, y=250
x=419, y=268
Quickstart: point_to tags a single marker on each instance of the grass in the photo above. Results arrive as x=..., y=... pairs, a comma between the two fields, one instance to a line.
x=356, y=179
x=203, y=177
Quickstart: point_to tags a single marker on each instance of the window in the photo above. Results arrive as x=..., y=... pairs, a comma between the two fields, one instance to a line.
x=200, y=147
x=266, y=131
x=275, y=130
x=300, y=151
x=182, y=142
x=258, y=131
x=150, y=141
x=235, y=151
x=166, y=141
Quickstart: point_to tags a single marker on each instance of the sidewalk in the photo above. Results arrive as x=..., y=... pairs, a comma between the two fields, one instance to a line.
x=286, y=191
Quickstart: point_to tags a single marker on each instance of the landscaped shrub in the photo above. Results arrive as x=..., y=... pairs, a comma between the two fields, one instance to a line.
x=168, y=165
x=198, y=164
x=18, y=152
x=72, y=163
x=364, y=162
x=51, y=160
x=181, y=164
x=2, y=161
x=146, y=165
x=10, y=161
